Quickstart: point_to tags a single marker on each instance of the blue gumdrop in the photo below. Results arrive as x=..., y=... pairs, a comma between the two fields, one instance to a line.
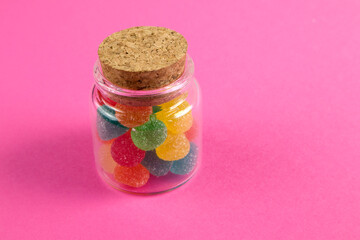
x=107, y=125
x=188, y=163
x=155, y=165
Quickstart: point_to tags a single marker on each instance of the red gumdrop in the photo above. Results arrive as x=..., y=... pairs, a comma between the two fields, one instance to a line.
x=192, y=133
x=109, y=101
x=124, y=151
x=132, y=176
x=103, y=99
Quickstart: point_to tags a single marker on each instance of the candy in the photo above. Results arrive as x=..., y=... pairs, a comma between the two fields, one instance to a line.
x=149, y=135
x=125, y=153
x=176, y=115
x=107, y=125
x=104, y=155
x=175, y=147
x=131, y=116
x=187, y=164
x=132, y=176
x=192, y=133
x=174, y=102
x=156, y=109
x=155, y=165
x=105, y=99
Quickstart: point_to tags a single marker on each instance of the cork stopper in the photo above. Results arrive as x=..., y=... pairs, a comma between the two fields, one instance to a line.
x=143, y=58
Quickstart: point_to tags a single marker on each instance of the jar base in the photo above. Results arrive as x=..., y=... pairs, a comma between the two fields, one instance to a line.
x=137, y=191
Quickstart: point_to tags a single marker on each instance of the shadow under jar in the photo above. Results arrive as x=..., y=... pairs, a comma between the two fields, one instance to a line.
x=147, y=141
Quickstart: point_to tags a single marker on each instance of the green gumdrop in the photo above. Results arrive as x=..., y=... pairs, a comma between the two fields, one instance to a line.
x=150, y=135
x=156, y=109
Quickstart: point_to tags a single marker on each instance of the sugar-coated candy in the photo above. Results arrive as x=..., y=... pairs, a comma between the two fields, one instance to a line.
x=188, y=163
x=124, y=151
x=176, y=114
x=104, y=155
x=132, y=176
x=174, y=102
x=175, y=147
x=105, y=99
x=131, y=116
x=193, y=132
x=108, y=127
x=149, y=135
x=156, y=109
x=155, y=165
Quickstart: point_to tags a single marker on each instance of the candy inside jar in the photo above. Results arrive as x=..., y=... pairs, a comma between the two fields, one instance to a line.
x=149, y=157
x=147, y=134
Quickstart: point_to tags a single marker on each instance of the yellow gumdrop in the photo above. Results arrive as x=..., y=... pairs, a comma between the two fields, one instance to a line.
x=175, y=147
x=106, y=161
x=174, y=102
x=176, y=114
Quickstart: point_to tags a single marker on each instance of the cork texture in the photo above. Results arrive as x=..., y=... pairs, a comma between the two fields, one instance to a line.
x=143, y=58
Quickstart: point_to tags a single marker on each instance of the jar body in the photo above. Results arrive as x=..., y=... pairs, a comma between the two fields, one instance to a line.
x=147, y=142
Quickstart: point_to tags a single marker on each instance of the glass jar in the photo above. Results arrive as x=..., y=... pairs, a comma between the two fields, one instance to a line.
x=147, y=141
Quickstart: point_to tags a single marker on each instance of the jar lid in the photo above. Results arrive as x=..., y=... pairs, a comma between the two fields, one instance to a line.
x=143, y=58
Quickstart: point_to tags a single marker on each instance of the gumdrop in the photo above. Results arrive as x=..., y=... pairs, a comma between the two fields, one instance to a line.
x=174, y=102
x=108, y=127
x=176, y=115
x=156, y=109
x=155, y=165
x=149, y=135
x=175, y=147
x=193, y=132
x=104, y=155
x=131, y=116
x=104, y=98
x=124, y=151
x=188, y=163
x=132, y=176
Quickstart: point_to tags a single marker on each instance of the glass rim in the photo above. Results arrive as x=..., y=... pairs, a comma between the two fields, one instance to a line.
x=180, y=83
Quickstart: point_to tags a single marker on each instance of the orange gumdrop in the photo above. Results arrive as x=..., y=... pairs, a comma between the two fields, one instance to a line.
x=132, y=176
x=131, y=116
x=104, y=155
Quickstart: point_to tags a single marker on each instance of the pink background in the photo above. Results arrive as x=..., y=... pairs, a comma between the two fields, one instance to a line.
x=281, y=84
